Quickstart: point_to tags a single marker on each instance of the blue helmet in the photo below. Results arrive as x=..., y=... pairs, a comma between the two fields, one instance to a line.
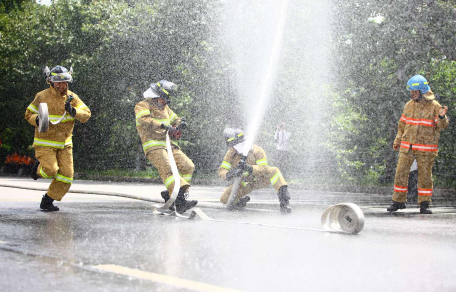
x=418, y=82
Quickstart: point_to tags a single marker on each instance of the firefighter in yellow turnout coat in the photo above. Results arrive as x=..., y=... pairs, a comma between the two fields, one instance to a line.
x=54, y=148
x=255, y=173
x=154, y=119
x=418, y=135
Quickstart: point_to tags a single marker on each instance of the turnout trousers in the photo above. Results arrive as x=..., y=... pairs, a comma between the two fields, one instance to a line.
x=425, y=183
x=271, y=176
x=56, y=164
x=159, y=158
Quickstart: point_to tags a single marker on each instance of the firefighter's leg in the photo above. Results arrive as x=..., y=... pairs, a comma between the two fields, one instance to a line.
x=48, y=165
x=425, y=183
x=184, y=165
x=275, y=178
x=159, y=158
x=64, y=176
x=245, y=188
x=226, y=195
x=280, y=185
x=401, y=178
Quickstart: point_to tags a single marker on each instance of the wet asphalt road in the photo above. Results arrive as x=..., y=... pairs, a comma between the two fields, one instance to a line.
x=101, y=243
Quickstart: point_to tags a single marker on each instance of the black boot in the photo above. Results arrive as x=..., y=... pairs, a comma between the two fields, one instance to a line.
x=396, y=206
x=239, y=204
x=181, y=203
x=165, y=196
x=424, y=208
x=34, y=170
x=47, y=205
x=284, y=199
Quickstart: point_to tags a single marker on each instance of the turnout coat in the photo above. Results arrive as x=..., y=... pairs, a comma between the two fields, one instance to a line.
x=420, y=125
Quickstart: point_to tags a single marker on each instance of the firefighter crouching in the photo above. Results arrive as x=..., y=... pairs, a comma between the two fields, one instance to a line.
x=418, y=135
x=54, y=148
x=154, y=119
x=255, y=173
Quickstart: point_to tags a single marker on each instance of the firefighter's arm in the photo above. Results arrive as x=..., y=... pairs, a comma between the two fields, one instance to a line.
x=83, y=113
x=442, y=119
x=260, y=160
x=174, y=120
x=31, y=113
x=400, y=132
x=144, y=116
x=226, y=166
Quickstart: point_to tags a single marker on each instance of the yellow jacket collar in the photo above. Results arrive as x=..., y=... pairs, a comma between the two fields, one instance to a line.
x=429, y=95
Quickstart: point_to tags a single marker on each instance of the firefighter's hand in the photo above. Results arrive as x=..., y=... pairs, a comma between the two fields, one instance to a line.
x=248, y=168
x=231, y=174
x=234, y=172
x=396, y=146
x=183, y=124
x=37, y=121
x=170, y=129
x=71, y=110
x=443, y=111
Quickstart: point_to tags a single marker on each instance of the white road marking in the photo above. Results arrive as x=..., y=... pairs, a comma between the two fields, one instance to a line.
x=164, y=279
x=2, y=242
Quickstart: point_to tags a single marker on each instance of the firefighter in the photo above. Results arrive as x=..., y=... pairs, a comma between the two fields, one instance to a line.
x=154, y=119
x=417, y=138
x=54, y=148
x=254, y=172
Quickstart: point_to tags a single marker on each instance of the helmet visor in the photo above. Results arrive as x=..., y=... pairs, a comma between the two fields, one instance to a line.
x=61, y=77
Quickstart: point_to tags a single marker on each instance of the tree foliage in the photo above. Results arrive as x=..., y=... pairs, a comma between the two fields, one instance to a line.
x=341, y=96
x=117, y=49
x=380, y=45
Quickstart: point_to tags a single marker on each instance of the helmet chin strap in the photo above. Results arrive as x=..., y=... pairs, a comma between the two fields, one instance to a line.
x=420, y=97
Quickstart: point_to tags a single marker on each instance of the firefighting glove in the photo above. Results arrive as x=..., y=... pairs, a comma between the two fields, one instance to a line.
x=234, y=172
x=170, y=129
x=71, y=110
x=248, y=168
x=183, y=124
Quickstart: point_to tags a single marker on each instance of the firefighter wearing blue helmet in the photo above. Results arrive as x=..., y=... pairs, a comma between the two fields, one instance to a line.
x=417, y=138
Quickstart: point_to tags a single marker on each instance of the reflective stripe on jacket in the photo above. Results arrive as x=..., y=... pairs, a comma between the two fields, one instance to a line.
x=256, y=158
x=58, y=136
x=419, y=126
x=149, y=118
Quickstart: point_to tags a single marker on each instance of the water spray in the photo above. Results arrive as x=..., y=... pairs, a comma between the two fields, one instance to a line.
x=267, y=81
x=264, y=96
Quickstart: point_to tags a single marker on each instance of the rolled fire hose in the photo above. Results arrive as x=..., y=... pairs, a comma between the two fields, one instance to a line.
x=344, y=217
x=43, y=116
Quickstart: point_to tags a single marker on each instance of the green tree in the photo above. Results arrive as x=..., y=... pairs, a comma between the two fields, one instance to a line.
x=380, y=45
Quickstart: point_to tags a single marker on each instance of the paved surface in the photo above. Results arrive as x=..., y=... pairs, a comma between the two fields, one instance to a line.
x=209, y=196
x=113, y=243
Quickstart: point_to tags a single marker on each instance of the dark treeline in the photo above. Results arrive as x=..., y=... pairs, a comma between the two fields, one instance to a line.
x=380, y=45
x=117, y=48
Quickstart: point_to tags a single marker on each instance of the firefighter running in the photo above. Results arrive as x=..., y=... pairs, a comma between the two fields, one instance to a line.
x=54, y=148
x=255, y=172
x=418, y=135
x=154, y=119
